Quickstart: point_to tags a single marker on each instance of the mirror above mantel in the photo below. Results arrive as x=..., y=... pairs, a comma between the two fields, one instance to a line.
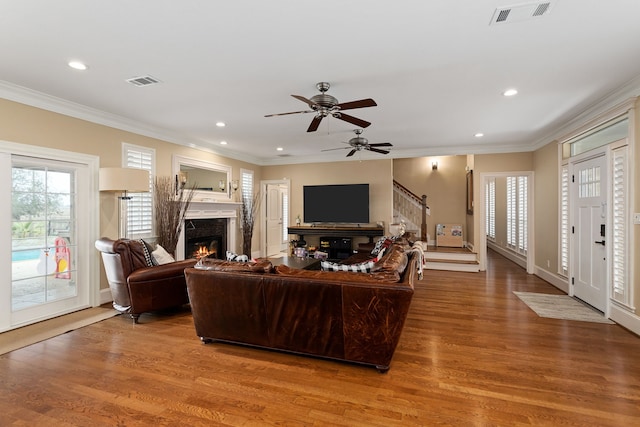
x=212, y=181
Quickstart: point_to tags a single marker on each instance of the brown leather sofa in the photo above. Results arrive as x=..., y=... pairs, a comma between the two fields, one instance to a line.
x=136, y=287
x=348, y=316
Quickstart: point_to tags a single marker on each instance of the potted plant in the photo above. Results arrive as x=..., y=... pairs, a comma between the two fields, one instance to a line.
x=172, y=202
x=248, y=216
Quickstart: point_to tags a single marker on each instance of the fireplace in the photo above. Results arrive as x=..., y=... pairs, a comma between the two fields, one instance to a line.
x=205, y=237
x=207, y=222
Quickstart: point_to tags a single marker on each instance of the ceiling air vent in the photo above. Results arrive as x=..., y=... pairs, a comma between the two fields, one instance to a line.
x=519, y=13
x=143, y=81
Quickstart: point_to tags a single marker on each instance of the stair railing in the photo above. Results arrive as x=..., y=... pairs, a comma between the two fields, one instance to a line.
x=411, y=206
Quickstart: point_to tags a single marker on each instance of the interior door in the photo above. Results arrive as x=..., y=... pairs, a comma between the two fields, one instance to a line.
x=275, y=203
x=590, y=231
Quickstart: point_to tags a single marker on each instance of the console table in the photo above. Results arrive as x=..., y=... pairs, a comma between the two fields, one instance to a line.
x=369, y=232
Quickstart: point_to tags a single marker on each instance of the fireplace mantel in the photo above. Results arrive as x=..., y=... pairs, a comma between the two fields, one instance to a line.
x=204, y=209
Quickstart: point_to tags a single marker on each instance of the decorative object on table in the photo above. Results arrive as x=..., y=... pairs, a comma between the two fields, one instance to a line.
x=298, y=220
x=301, y=252
x=248, y=212
x=172, y=202
x=123, y=180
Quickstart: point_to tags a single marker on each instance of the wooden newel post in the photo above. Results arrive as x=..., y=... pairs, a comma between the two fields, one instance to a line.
x=423, y=226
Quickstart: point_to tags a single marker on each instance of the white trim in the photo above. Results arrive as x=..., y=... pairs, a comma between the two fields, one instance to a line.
x=625, y=319
x=481, y=220
x=90, y=256
x=554, y=279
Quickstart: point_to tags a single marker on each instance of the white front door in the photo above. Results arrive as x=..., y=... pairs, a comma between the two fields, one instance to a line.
x=275, y=204
x=590, y=233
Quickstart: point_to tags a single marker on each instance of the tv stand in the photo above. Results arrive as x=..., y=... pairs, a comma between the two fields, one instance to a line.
x=337, y=231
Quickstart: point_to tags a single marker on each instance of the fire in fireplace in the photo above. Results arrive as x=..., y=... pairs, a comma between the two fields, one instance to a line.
x=205, y=237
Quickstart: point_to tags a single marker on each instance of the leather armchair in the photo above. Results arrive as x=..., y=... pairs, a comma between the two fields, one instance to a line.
x=137, y=288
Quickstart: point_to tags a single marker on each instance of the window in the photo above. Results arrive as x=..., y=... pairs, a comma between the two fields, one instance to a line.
x=564, y=221
x=619, y=236
x=246, y=183
x=517, y=213
x=140, y=207
x=490, y=206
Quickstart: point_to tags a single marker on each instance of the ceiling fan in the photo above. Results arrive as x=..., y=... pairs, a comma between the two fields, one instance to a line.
x=360, y=143
x=326, y=105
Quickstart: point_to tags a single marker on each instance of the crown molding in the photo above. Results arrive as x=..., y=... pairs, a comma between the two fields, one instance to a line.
x=621, y=98
x=54, y=104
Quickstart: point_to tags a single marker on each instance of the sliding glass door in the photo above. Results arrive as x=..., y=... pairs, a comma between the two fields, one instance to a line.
x=48, y=216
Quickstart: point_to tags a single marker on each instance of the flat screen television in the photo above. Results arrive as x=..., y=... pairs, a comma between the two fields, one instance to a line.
x=340, y=203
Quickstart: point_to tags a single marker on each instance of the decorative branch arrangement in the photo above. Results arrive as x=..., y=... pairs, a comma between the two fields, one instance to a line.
x=248, y=217
x=172, y=201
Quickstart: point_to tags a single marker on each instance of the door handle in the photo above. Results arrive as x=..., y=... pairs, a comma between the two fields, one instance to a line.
x=602, y=242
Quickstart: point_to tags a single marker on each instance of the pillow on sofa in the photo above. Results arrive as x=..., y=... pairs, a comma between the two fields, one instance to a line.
x=148, y=249
x=361, y=267
x=395, y=259
x=339, y=276
x=162, y=256
x=260, y=266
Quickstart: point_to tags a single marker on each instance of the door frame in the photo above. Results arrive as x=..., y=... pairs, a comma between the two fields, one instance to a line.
x=589, y=155
x=90, y=257
x=479, y=211
x=263, y=207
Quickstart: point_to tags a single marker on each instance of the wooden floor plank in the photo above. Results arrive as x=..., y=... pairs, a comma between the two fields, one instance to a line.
x=471, y=354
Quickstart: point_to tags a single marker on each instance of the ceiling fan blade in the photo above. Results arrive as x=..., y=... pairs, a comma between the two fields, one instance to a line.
x=352, y=152
x=357, y=104
x=315, y=123
x=292, y=112
x=378, y=150
x=381, y=144
x=353, y=120
x=332, y=149
x=303, y=99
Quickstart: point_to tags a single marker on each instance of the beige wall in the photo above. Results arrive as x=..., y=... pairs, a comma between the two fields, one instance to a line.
x=445, y=188
x=546, y=197
x=23, y=124
x=376, y=173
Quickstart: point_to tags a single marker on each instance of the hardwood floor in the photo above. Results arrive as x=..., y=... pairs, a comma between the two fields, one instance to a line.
x=471, y=354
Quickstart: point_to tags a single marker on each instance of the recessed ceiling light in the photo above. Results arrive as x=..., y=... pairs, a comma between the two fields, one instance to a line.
x=479, y=135
x=77, y=65
x=279, y=148
x=223, y=142
x=510, y=92
x=221, y=124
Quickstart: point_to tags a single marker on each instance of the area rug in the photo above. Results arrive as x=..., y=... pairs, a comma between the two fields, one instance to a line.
x=31, y=334
x=561, y=307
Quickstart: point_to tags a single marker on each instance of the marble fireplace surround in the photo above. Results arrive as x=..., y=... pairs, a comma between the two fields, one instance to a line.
x=207, y=210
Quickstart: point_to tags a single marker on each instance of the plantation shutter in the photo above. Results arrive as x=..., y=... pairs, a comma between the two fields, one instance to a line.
x=564, y=221
x=522, y=214
x=620, y=251
x=140, y=207
x=490, y=206
x=511, y=212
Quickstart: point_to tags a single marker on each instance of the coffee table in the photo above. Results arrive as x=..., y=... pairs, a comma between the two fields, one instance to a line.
x=297, y=262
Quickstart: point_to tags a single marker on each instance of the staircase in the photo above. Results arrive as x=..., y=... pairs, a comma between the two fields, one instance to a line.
x=451, y=259
x=413, y=211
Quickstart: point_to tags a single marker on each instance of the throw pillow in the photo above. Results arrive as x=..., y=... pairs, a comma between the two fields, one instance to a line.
x=381, y=244
x=162, y=256
x=147, y=249
x=361, y=267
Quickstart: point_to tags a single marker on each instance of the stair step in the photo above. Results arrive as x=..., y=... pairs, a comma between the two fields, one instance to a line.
x=450, y=256
x=470, y=267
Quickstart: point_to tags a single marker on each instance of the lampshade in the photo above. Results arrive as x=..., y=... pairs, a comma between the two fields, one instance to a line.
x=124, y=179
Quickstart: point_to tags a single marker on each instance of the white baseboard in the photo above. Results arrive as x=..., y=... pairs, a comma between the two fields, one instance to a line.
x=625, y=319
x=105, y=296
x=508, y=255
x=556, y=280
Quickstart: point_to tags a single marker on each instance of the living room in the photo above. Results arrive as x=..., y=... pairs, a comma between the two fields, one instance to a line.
x=49, y=126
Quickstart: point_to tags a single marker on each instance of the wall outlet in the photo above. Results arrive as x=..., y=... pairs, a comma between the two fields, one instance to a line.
x=636, y=218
